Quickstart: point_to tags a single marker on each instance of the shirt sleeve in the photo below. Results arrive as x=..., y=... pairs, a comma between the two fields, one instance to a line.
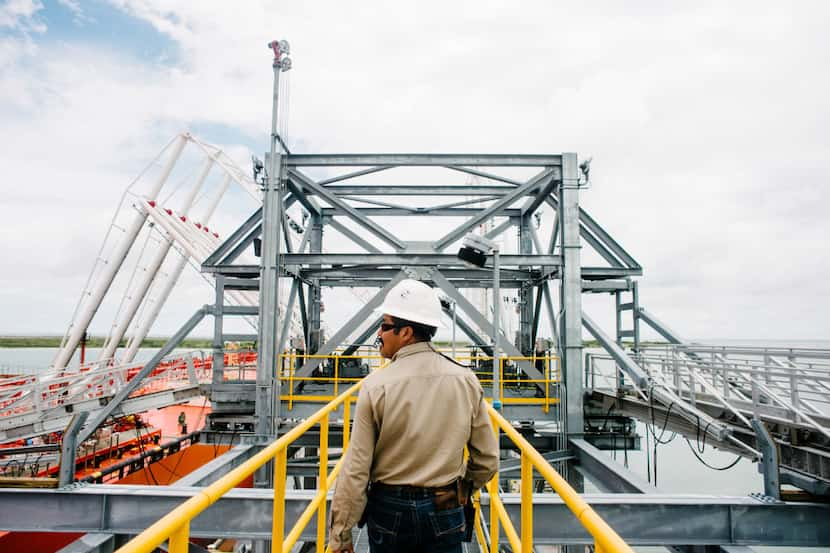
x=483, y=447
x=349, y=499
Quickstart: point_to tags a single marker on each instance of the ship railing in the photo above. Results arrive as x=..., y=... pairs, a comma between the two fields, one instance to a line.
x=174, y=527
x=337, y=371
x=748, y=386
x=70, y=386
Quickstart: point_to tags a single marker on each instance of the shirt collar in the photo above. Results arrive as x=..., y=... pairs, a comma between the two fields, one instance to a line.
x=411, y=349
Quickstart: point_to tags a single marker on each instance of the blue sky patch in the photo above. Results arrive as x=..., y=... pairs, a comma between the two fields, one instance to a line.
x=105, y=26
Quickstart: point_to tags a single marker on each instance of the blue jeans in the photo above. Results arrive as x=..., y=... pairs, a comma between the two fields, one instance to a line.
x=403, y=521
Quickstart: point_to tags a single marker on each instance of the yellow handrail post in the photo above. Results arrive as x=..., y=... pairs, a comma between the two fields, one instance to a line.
x=322, y=482
x=493, y=490
x=609, y=540
x=501, y=379
x=527, y=504
x=547, y=384
x=278, y=523
x=336, y=374
x=180, y=539
x=347, y=427
x=476, y=499
x=291, y=384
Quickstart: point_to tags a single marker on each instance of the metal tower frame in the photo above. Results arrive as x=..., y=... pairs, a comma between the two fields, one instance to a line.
x=535, y=272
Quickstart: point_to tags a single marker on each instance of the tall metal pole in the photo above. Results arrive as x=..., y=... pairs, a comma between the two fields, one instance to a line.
x=496, y=331
x=266, y=408
x=571, y=293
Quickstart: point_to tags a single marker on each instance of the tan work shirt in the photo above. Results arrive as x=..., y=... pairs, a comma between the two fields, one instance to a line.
x=411, y=424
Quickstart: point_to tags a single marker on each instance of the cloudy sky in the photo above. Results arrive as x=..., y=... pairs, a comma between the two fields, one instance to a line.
x=707, y=122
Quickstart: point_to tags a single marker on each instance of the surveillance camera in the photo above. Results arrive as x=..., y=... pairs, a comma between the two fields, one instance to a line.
x=474, y=249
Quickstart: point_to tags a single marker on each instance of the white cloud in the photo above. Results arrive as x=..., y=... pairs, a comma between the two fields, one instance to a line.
x=19, y=15
x=708, y=124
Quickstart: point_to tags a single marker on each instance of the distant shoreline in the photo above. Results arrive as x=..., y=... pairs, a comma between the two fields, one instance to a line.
x=157, y=342
x=93, y=342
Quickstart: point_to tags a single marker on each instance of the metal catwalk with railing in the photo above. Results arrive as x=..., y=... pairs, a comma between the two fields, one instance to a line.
x=175, y=526
x=291, y=408
x=787, y=390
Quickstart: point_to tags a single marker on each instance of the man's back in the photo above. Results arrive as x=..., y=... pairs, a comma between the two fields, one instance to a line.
x=423, y=407
x=412, y=422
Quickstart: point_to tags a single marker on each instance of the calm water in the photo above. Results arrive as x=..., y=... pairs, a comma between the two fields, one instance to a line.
x=678, y=471
x=31, y=360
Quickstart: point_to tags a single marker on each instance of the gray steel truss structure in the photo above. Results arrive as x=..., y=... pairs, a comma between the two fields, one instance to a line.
x=641, y=519
x=357, y=210
x=353, y=238
x=378, y=257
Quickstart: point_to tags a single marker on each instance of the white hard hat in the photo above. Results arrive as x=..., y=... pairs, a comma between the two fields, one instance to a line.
x=414, y=301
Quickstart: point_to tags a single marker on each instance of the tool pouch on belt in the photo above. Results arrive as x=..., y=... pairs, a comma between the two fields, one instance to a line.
x=445, y=500
x=458, y=497
x=464, y=491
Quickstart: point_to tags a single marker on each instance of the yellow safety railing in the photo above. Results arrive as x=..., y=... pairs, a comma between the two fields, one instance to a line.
x=606, y=540
x=508, y=378
x=288, y=374
x=549, y=382
x=175, y=526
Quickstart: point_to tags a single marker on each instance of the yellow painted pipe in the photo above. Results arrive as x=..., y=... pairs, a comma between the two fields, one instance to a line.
x=493, y=490
x=509, y=531
x=180, y=539
x=322, y=482
x=598, y=528
x=278, y=517
x=527, y=504
x=165, y=526
x=477, y=524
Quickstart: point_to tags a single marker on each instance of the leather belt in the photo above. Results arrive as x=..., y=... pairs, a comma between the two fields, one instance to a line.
x=411, y=490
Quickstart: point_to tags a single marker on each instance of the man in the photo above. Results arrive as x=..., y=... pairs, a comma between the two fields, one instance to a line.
x=411, y=424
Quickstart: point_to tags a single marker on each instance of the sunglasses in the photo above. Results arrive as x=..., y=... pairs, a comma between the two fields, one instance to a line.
x=386, y=327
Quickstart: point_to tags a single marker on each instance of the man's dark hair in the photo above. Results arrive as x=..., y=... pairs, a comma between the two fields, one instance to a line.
x=421, y=332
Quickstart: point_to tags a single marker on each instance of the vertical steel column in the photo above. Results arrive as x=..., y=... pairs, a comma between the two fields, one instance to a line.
x=571, y=292
x=69, y=446
x=218, y=330
x=525, y=341
x=315, y=299
x=496, y=331
x=635, y=312
x=620, y=376
x=269, y=279
x=769, y=463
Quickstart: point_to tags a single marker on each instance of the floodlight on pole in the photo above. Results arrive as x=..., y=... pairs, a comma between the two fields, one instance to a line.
x=473, y=251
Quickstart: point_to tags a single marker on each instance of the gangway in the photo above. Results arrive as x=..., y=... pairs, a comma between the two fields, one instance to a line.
x=175, y=526
x=38, y=404
x=787, y=389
